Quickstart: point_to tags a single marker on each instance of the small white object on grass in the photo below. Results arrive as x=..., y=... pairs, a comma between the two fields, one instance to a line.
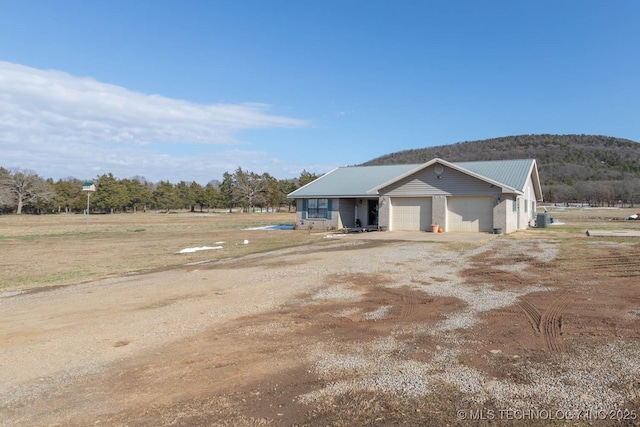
x=246, y=242
x=202, y=248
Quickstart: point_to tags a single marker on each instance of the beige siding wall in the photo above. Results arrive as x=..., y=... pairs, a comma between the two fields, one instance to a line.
x=512, y=216
x=383, y=212
x=530, y=200
x=426, y=183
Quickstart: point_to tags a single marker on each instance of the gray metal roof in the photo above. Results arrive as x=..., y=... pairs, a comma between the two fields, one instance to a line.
x=513, y=173
x=355, y=181
x=360, y=181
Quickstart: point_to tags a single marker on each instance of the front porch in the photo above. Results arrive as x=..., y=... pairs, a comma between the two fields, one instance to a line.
x=353, y=214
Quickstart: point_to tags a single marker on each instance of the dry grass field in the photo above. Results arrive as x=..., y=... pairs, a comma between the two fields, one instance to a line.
x=540, y=327
x=50, y=250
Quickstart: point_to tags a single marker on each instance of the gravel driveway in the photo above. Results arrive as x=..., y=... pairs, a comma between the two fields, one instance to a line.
x=278, y=338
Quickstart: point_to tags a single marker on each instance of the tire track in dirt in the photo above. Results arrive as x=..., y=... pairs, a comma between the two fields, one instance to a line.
x=551, y=323
x=533, y=315
x=408, y=305
x=548, y=325
x=618, y=263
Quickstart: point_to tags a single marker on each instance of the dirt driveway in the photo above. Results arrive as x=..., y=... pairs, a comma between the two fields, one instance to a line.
x=350, y=332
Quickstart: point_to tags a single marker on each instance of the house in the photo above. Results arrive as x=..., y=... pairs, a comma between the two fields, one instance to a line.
x=486, y=196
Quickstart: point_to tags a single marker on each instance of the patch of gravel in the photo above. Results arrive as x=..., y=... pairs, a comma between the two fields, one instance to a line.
x=267, y=329
x=478, y=300
x=45, y=386
x=338, y=292
x=538, y=250
x=587, y=378
x=379, y=313
x=347, y=312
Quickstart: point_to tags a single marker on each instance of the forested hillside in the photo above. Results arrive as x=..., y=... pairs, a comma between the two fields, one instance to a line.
x=573, y=168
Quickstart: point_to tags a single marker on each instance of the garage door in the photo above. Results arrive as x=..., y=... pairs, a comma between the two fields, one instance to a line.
x=411, y=213
x=470, y=214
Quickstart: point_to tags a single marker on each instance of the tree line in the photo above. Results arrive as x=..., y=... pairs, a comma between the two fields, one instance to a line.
x=24, y=191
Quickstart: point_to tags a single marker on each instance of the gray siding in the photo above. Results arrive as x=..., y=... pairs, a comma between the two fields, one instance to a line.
x=347, y=213
x=426, y=183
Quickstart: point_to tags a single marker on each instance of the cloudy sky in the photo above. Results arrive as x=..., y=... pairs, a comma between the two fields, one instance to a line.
x=186, y=90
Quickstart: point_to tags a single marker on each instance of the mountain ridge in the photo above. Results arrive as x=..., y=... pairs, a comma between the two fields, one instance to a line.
x=561, y=159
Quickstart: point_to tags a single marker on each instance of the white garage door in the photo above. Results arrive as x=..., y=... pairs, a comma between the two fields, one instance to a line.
x=470, y=214
x=411, y=213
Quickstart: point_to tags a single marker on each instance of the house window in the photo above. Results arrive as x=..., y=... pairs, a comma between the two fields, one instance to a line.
x=515, y=205
x=317, y=208
x=526, y=206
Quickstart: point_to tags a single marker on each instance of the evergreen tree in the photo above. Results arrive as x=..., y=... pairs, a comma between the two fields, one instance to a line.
x=165, y=196
x=111, y=194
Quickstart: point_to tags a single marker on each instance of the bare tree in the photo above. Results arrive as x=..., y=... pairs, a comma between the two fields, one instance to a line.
x=25, y=188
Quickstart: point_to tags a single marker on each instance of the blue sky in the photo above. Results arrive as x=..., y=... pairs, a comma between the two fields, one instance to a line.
x=186, y=90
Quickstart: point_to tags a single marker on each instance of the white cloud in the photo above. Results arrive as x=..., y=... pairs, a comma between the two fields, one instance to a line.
x=61, y=125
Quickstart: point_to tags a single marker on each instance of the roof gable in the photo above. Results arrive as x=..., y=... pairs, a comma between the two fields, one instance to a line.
x=488, y=173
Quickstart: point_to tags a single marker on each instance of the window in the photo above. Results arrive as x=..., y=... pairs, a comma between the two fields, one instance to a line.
x=514, y=207
x=317, y=208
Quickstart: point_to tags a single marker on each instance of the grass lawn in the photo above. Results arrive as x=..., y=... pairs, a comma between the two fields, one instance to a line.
x=45, y=250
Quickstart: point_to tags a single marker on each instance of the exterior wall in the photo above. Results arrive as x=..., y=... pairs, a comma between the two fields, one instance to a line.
x=362, y=211
x=500, y=214
x=524, y=213
x=343, y=214
x=530, y=200
x=503, y=215
x=347, y=213
x=426, y=183
x=384, y=212
x=514, y=217
x=318, y=223
x=451, y=182
x=439, y=211
x=298, y=212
